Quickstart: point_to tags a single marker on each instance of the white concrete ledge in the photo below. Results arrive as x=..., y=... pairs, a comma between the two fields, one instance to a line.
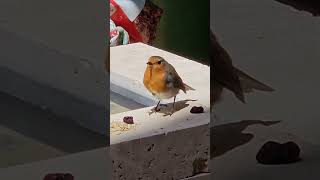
x=128, y=63
x=129, y=88
x=159, y=146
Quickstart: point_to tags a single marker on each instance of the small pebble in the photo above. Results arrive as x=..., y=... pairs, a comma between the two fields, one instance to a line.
x=275, y=153
x=59, y=176
x=128, y=119
x=196, y=109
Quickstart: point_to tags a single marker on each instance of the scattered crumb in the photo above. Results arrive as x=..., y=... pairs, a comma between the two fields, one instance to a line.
x=60, y=176
x=117, y=127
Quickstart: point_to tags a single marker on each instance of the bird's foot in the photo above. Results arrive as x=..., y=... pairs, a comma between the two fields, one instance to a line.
x=156, y=109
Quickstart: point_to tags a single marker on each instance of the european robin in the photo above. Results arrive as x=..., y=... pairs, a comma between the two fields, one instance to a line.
x=162, y=80
x=225, y=75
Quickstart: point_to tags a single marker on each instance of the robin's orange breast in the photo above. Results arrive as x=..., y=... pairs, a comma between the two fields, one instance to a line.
x=154, y=80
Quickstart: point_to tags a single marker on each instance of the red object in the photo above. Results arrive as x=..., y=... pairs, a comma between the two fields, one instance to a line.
x=121, y=19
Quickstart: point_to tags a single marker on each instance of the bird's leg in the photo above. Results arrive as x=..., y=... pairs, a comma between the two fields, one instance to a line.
x=156, y=108
x=174, y=100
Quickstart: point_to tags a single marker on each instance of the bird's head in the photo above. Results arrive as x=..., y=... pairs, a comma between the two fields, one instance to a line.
x=156, y=62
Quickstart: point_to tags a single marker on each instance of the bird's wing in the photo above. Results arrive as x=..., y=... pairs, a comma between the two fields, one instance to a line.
x=174, y=78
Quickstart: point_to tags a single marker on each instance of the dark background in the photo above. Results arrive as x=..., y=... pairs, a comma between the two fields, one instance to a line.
x=184, y=28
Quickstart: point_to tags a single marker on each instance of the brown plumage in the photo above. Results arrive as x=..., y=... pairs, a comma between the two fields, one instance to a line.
x=162, y=80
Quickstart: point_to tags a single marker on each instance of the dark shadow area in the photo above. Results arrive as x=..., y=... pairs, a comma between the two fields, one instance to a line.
x=166, y=109
x=311, y=6
x=176, y=32
x=47, y=128
x=226, y=137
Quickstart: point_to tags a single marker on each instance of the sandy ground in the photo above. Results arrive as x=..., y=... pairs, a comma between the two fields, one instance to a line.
x=279, y=46
x=29, y=133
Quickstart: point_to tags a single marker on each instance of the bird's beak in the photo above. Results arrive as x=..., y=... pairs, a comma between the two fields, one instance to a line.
x=149, y=63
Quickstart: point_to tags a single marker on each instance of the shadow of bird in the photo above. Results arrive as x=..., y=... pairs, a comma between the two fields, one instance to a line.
x=166, y=109
x=225, y=76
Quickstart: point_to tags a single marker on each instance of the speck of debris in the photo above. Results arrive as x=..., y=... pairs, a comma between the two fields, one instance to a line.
x=128, y=119
x=276, y=153
x=196, y=109
x=59, y=176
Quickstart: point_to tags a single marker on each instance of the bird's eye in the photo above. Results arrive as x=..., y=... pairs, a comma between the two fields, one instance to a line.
x=159, y=62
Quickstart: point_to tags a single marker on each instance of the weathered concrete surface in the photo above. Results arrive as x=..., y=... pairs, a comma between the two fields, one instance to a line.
x=174, y=155
x=203, y=176
x=180, y=138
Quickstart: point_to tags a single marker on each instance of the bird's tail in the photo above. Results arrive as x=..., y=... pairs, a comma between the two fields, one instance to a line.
x=249, y=84
x=187, y=88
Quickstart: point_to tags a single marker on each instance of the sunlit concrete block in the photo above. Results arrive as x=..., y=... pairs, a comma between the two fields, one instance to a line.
x=159, y=146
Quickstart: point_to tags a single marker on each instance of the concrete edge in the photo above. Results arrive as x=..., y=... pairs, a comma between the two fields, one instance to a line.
x=86, y=114
x=79, y=76
x=128, y=88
